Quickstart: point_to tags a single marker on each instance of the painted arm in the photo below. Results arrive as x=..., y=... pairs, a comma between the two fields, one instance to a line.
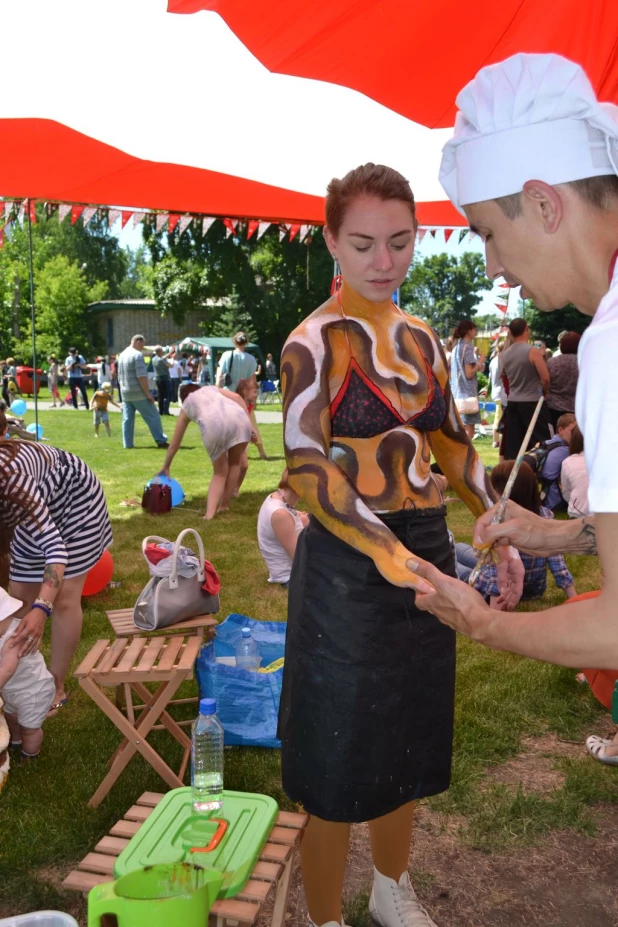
x=179, y=433
x=325, y=489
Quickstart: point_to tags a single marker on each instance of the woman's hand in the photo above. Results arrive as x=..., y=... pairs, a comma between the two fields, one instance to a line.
x=254, y=436
x=30, y=632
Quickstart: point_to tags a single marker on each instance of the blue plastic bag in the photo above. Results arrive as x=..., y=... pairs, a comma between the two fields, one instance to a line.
x=247, y=702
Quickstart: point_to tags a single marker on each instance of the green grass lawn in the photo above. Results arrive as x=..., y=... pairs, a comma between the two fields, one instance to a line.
x=45, y=824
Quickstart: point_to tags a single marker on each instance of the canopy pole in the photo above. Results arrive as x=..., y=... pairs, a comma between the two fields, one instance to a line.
x=35, y=384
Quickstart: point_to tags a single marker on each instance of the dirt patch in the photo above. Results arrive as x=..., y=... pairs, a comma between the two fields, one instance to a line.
x=564, y=881
x=534, y=768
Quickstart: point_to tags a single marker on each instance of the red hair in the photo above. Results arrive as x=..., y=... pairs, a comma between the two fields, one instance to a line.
x=370, y=179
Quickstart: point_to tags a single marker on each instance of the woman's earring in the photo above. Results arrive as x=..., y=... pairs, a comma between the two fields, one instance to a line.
x=337, y=279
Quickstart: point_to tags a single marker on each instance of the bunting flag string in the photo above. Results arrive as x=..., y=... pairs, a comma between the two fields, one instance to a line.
x=16, y=209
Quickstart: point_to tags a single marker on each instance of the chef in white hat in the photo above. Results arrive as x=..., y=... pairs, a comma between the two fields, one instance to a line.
x=533, y=166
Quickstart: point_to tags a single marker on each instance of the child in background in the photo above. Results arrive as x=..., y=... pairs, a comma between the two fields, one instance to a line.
x=27, y=686
x=99, y=403
x=52, y=380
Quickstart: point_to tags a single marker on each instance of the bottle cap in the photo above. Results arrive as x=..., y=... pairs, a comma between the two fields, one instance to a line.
x=208, y=706
x=246, y=632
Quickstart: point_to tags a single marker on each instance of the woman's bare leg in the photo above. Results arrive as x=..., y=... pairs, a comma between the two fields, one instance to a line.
x=323, y=854
x=235, y=457
x=217, y=486
x=66, y=630
x=391, y=836
x=242, y=472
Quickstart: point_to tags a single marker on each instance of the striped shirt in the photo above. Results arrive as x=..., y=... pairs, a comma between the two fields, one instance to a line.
x=69, y=524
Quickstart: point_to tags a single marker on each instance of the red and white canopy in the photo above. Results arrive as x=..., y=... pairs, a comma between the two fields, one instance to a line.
x=120, y=102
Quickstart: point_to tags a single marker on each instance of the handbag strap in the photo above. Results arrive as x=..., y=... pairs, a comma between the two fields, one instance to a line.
x=147, y=540
x=201, y=575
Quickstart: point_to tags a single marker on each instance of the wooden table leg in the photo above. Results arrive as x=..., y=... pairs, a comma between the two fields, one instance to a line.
x=135, y=735
x=172, y=726
x=280, y=906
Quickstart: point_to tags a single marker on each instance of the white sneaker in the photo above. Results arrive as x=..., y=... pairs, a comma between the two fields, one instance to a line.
x=394, y=904
x=327, y=924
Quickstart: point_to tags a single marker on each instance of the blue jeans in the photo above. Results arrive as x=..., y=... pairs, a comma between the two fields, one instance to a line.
x=466, y=560
x=149, y=413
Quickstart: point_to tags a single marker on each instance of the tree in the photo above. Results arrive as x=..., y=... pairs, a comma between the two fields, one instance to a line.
x=546, y=326
x=62, y=294
x=444, y=289
x=139, y=278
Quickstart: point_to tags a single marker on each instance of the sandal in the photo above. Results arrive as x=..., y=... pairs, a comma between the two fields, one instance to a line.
x=56, y=706
x=596, y=747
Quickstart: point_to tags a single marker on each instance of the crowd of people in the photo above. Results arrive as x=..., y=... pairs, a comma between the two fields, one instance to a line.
x=376, y=584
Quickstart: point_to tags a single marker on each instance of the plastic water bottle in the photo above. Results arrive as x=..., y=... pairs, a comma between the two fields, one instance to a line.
x=207, y=759
x=247, y=652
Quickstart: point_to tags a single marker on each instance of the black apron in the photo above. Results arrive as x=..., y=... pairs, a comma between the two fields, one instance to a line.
x=366, y=716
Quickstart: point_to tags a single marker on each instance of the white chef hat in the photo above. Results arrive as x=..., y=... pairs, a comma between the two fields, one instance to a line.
x=531, y=117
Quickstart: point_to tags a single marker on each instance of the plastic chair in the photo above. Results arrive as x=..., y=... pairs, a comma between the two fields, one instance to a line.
x=269, y=392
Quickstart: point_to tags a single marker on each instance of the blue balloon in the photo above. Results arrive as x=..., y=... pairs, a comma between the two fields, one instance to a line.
x=178, y=492
x=33, y=428
x=19, y=407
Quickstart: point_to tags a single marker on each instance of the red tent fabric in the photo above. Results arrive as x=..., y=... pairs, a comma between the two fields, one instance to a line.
x=414, y=57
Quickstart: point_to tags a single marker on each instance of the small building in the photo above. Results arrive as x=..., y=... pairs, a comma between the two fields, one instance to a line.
x=116, y=321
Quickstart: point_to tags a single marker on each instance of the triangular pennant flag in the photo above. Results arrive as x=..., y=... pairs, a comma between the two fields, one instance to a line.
x=125, y=215
x=162, y=218
x=173, y=222
x=137, y=218
x=76, y=212
x=502, y=307
x=294, y=230
x=282, y=232
x=262, y=228
x=230, y=225
x=421, y=234
x=1, y=238
x=183, y=225
x=63, y=211
x=112, y=217
x=8, y=230
x=462, y=235
x=252, y=227
x=8, y=207
x=432, y=232
x=304, y=231
x=447, y=234
x=51, y=209
x=206, y=223
x=32, y=206
x=88, y=214
x=472, y=234
x=504, y=286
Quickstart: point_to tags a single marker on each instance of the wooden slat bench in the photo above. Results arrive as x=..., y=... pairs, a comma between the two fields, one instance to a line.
x=273, y=869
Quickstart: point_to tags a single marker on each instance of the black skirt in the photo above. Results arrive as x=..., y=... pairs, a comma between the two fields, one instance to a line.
x=366, y=719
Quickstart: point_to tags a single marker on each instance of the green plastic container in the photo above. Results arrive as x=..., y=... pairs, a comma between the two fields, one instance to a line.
x=174, y=833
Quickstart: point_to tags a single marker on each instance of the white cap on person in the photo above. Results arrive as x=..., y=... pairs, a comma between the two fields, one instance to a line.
x=8, y=605
x=531, y=117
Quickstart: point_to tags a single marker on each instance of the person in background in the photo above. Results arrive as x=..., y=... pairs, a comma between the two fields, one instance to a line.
x=248, y=390
x=161, y=368
x=563, y=374
x=558, y=451
x=74, y=366
x=104, y=370
x=52, y=380
x=574, y=477
x=270, y=368
x=237, y=364
x=115, y=380
x=226, y=430
x=26, y=685
x=11, y=427
x=11, y=377
x=278, y=527
x=525, y=492
x=175, y=375
x=526, y=371
x=464, y=366
x=558, y=350
x=498, y=393
x=136, y=395
x=185, y=370
x=203, y=371
x=99, y=403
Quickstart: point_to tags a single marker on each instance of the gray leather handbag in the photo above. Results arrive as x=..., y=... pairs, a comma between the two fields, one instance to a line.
x=169, y=599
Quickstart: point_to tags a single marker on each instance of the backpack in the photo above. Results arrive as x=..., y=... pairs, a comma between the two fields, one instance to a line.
x=535, y=458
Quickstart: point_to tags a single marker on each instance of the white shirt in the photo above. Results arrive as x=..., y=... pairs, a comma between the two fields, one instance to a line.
x=275, y=557
x=574, y=484
x=498, y=393
x=596, y=402
x=175, y=370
